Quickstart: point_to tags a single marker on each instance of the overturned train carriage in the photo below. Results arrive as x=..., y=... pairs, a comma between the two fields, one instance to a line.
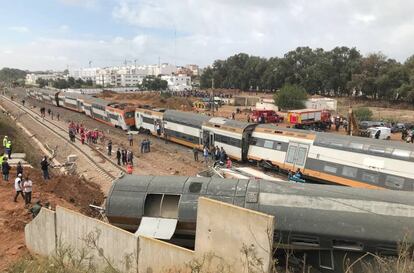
x=325, y=221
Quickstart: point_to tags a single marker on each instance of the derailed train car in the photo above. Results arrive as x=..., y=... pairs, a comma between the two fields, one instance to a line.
x=325, y=222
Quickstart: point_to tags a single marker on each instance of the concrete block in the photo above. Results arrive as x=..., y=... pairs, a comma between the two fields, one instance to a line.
x=18, y=155
x=71, y=158
x=101, y=240
x=40, y=233
x=156, y=256
x=234, y=235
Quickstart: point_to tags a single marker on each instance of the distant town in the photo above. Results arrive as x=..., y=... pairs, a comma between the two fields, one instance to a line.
x=178, y=78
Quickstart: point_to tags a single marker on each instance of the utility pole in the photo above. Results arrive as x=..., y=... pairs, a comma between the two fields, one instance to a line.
x=212, y=94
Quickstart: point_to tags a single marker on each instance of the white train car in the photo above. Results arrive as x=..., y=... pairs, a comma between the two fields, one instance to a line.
x=230, y=134
x=362, y=162
x=184, y=128
x=284, y=148
x=344, y=160
x=147, y=119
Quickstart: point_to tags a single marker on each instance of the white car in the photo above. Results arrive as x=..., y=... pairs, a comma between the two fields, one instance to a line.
x=384, y=132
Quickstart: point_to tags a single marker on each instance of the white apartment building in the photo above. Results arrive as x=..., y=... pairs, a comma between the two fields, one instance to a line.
x=32, y=78
x=84, y=73
x=178, y=82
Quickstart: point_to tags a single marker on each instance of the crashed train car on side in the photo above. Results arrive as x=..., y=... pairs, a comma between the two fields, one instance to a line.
x=326, y=222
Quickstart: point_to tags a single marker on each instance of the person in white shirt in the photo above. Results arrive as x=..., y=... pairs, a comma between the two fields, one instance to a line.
x=18, y=187
x=27, y=189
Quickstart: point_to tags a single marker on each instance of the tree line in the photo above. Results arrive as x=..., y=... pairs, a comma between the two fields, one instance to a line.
x=341, y=71
x=64, y=83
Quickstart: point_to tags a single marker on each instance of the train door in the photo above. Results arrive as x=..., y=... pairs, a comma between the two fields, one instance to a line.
x=211, y=140
x=296, y=155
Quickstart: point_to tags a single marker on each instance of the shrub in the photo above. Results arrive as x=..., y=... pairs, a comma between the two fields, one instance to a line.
x=363, y=113
x=290, y=97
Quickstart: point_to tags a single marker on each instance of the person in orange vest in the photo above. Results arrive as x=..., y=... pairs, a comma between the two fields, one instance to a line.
x=130, y=168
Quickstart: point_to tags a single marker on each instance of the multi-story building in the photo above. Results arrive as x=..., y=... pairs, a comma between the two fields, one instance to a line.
x=195, y=69
x=32, y=78
x=85, y=74
x=178, y=82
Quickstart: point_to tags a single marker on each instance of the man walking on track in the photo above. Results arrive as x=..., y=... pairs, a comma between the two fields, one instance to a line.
x=130, y=139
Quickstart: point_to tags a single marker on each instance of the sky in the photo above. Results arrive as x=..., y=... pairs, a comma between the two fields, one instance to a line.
x=60, y=34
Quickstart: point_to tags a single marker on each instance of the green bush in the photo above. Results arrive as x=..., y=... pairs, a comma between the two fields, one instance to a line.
x=290, y=97
x=363, y=113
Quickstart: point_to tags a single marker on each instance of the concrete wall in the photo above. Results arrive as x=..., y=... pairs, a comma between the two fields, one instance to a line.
x=119, y=246
x=40, y=234
x=225, y=231
x=156, y=256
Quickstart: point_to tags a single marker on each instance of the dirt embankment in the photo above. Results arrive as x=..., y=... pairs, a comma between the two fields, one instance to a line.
x=153, y=99
x=68, y=191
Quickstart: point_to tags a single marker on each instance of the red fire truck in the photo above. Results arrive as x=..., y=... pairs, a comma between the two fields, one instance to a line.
x=266, y=116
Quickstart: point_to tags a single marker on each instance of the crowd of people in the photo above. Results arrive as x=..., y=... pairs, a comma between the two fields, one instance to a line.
x=23, y=185
x=88, y=136
x=217, y=155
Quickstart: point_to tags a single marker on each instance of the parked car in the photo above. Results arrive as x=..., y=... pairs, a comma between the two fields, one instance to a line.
x=368, y=124
x=398, y=127
x=382, y=132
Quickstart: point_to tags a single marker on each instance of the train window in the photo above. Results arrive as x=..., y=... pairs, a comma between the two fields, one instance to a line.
x=349, y=171
x=260, y=142
x=394, y=182
x=195, y=187
x=370, y=177
x=401, y=153
x=376, y=149
x=129, y=114
x=300, y=160
x=277, y=146
x=330, y=169
x=291, y=154
x=268, y=144
x=356, y=146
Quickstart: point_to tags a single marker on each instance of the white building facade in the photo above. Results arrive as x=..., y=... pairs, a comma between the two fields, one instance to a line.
x=32, y=78
x=178, y=82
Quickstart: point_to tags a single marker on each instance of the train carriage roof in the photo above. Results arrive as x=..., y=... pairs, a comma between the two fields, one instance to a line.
x=97, y=101
x=73, y=95
x=187, y=118
x=229, y=122
x=344, y=141
x=48, y=91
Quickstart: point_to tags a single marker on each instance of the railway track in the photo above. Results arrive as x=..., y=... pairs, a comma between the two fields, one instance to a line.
x=62, y=133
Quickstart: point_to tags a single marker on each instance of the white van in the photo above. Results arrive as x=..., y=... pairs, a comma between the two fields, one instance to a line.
x=384, y=132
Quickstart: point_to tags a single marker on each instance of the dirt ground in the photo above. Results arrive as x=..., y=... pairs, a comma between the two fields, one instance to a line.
x=67, y=191
x=153, y=99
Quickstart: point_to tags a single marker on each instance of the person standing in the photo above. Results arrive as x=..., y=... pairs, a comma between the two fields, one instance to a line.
x=118, y=156
x=18, y=187
x=5, y=169
x=212, y=153
x=110, y=147
x=142, y=146
x=19, y=168
x=130, y=140
x=27, y=189
x=148, y=145
x=205, y=154
x=45, y=168
x=9, y=149
x=58, y=116
x=130, y=157
x=36, y=208
x=5, y=139
x=195, y=153
x=124, y=156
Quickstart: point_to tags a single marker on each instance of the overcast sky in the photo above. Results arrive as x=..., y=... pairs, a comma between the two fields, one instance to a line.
x=56, y=34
